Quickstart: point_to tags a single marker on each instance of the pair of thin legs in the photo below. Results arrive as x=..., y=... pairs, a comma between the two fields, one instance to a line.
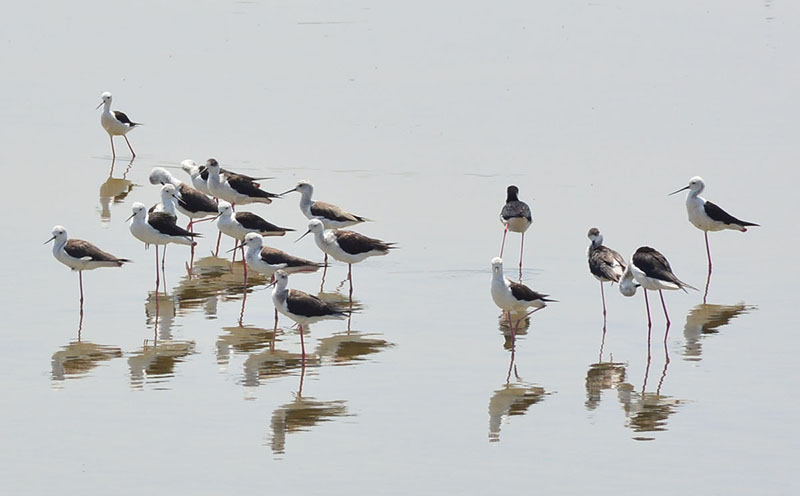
x=521, y=246
x=114, y=153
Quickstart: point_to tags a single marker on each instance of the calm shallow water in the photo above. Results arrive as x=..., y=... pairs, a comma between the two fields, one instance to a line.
x=418, y=118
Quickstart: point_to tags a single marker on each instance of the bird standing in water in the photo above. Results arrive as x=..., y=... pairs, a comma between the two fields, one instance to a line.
x=516, y=216
x=116, y=123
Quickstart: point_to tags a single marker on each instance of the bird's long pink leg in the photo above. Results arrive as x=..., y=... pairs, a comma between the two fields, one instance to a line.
x=244, y=266
x=521, y=246
x=502, y=246
x=603, y=295
x=708, y=252
x=129, y=146
x=157, y=278
x=113, y=152
x=664, y=305
x=80, y=282
x=647, y=305
x=302, y=343
x=350, y=276
x=219, y=238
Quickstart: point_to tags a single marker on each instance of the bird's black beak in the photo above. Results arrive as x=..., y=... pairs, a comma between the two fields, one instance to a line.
x=49, y=240
x=101, y=104
x=274, y=282
x=131, y=217
x=303, y=236
x=286, y=192
x=682, y=189
x=232, y=249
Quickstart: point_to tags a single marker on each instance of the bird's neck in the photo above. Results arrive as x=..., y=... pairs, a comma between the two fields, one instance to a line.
x=305, y=198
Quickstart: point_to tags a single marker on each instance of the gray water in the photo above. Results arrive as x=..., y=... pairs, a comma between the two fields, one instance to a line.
x=416, y=115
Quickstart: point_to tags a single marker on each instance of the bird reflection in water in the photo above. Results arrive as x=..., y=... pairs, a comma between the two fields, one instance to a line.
x=602, y=375
x=509, y=334
x=648, y=412
x=512, y=399
x=301, y=414
x=209, y=279
x=114, y=190
x=244, y=340
x=77, y=358
x=705, y=319
x=272, y=364
x=349, y=346
x=159, y=311
x=155, y=362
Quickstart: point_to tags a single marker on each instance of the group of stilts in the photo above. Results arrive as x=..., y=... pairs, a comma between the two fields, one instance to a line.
x=647, y=269
x=213, y=194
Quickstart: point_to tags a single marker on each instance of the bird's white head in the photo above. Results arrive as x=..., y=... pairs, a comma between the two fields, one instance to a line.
x=159, y=175
x=59, y=235
x=497, y=266
x=316, y=226
x=595, y=237
x=281, y=280
x=253, y=240
x=695, y=187
x=224, y=208
x=190, y=167
x=169, y=191
x=105, y=99
x=303, y=187
x=139, y=211
x=212, y=165
x=627, y=284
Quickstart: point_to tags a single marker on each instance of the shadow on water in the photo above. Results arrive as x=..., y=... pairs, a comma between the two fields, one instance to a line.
x=114, y=190
x=648, y=412
x=76, y=359
x=301, y=414
x=514, y=398
x=155, y=361
x=707, y=319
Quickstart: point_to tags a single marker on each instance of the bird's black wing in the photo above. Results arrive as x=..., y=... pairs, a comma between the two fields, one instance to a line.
x=196, y=201
x=524, y=293
x=300, y=303
x=249, y=188
x=120, y=116
x=165, y=223
x=252, y=221
x=332, y=212
x=274, y=256
x=355, y=243
x=78, y=248
x=601, y=263
x=716, y=213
